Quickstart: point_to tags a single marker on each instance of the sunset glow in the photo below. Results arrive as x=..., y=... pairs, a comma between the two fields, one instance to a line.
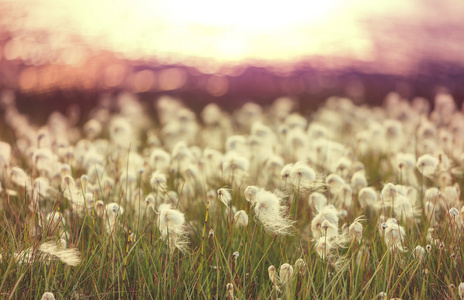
x=96, y=43
x=183, y=30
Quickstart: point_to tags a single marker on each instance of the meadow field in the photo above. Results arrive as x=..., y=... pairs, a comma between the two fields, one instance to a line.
x=264, y=202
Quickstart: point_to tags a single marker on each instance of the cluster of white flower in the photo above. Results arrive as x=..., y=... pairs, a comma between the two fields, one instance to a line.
x=121, y=161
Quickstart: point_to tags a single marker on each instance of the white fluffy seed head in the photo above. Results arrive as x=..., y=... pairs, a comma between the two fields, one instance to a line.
x=99, y=208
x=159, y=160
x=356, y=230
x=461, y=290
x=171, y=225
x=241, y=219
x=286, y=171
x=367, y=197
x=19, y=177
x=317, y=200
x=114, y=210
x=394, y=234
x=343, y=166
x=302, y=175
x=169, y=219
x=285, y=274
x=329, y=214
x=389, y=192
x=55, y=219
x=419, y=251
x=48, y=296
x=230, y=290
x=5, y=153
x=224, y=196
x=271, y=213
x=271, y=271
x=404, y=209
x=405, y=161
x=150, y=200
x=234, y=161
x=346, y=195
x=158, y=181
x=453, y=212
x=358, y=181
x=250, y=193
x=382, y=296
x=335, y=182
x=431, y=194
x=300, y=266
x=427, y=165
x=69, y=256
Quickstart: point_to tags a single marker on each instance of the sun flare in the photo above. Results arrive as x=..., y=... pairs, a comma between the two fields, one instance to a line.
x=180, y=30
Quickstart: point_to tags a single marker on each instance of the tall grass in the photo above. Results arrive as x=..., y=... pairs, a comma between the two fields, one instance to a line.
x=136, y=262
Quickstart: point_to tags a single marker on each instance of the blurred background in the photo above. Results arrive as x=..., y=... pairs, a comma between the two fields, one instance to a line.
x=54, y=53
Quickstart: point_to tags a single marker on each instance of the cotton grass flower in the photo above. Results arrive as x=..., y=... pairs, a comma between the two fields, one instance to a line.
x=389, y=193
x=172, y=228
x=345, y=196
x=302, y=176
x=20, y=178
x=250, y=193
x=224, y=196
x=47, y=252
x=70, y=257
x=235, y=166
x=230, y=291
x=356, y=230
x=271, y=272
x=367, y=197
x=271, y=213
x=159, y=160
x=453, y=212
x=427, y=165
x=241, y=219
x=329, y=214
x=48, y=296
x=317, y=200
x=394, y=234
x=300, y=266
x=358, y=181
x=5, y=154
x=329, y=247
x=343, y=166
x=286, y=171
x=286, y=274
x=112, y=213
x=404, y=209
x=382, y=296
x=335, y=183
x=158, y=181
x=235, y=256
x=461, y=290
x=419, y=252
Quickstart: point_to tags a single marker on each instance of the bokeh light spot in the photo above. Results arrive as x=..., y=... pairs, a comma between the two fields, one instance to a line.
x=217, y=85
x=172, y=79
x=28, y=79
x=114, y=75
x=142, y=81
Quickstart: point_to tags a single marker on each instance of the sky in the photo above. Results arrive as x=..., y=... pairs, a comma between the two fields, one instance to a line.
x=223, y=31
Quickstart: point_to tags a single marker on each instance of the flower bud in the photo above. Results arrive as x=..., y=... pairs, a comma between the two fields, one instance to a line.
x=286, y=273
x=271, y=271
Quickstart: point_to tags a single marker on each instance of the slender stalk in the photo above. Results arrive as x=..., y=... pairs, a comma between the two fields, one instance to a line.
x=124, y=270
x=203, y=239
